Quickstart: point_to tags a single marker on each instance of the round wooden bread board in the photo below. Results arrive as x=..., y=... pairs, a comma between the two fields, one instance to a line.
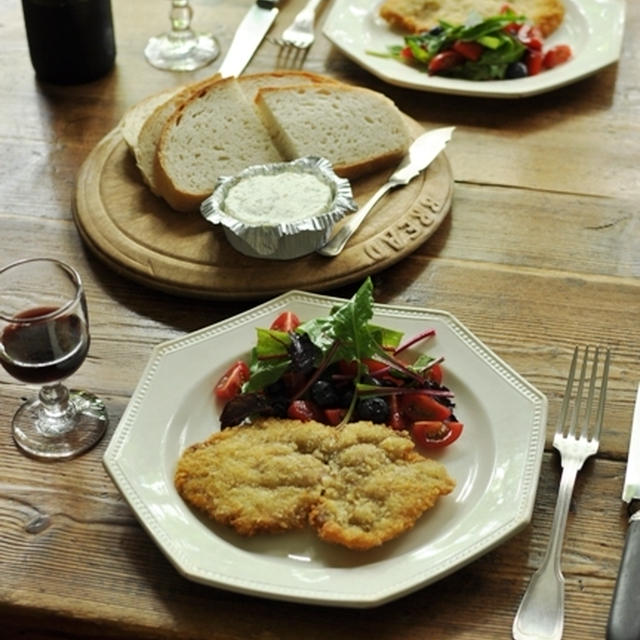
x=137, y=234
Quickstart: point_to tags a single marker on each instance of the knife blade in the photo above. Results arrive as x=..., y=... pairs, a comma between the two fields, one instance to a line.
x=248, y=36
x=422, y=152
x=624, y=621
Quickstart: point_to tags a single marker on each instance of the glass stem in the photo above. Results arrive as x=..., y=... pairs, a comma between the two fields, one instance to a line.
x=180, y=16
x=56, y=412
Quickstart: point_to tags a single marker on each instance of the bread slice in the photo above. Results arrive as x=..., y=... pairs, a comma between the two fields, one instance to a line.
x=215, y=132
x=417, y=15
x=252, y=83
x=356, y=129
x=135, y=117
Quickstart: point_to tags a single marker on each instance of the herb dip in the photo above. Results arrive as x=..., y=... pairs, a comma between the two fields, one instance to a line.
x=272, y=199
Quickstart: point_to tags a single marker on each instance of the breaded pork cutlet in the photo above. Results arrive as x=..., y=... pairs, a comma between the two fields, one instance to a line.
x=358, y=485
x=416, y=16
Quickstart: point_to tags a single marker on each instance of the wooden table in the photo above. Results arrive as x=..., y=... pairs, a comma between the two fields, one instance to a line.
x=540, y=252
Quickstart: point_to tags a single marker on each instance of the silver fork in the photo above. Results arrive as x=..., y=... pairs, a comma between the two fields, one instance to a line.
x=541, y=612
x=299, y=34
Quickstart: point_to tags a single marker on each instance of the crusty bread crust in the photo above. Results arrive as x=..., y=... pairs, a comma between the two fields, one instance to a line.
x=358, y=485
x=416, y=16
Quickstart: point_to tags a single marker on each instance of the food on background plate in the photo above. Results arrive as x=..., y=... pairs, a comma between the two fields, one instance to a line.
x=501, y=47
x=357, y=486
x=342, y=368
x=417, y=16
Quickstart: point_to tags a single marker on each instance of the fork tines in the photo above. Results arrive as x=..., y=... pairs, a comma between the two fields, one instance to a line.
x=591, y=426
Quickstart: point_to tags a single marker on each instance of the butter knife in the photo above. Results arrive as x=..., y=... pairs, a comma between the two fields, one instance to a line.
x=248, y=36
x=624, y=617
x=422, y=152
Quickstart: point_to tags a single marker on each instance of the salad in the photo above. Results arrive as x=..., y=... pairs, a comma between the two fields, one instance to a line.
x=341, y=368
x=501, y=47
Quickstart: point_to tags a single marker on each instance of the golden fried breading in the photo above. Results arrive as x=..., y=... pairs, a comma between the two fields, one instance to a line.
x=377, y=487
x=358, y=485
x=416, y=16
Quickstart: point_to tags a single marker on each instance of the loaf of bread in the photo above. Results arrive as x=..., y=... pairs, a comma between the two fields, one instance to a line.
x=421, y=15
x=356, y=129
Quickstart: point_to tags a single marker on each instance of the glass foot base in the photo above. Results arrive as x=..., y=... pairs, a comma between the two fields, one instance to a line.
x=182, y=54
x=88, y=425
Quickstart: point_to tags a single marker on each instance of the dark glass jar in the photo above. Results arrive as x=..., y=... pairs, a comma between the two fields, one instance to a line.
x=70, y=41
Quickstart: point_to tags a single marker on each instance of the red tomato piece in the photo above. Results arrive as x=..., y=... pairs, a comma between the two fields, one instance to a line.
x=231, y=382
x=445, y=60
x=304, y=410
x=420, y=406
x=530, y=36
x=533, y=59
x=434, y=434
x=469, y=50
x=334, y=416
x=407, y=53
x=286, y=321
x=435, y=374
x=556, y=55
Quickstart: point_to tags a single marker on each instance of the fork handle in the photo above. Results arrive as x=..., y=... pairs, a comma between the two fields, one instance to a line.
x=624, y=623
x=541, y=612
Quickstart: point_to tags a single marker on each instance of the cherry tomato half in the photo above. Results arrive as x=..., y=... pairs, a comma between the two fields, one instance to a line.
x=286, y=321
x=444, y=60
x=420, y=406
x=469, y=50
x=435, y=374
x=334, y=416
x=530, y=36
x=231, y=382
x=435, y=434
x=556, y=55
x=533, y=59
x=304, y=410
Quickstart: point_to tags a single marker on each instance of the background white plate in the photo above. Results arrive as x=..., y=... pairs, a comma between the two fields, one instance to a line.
x=496, y=463
x=593, y=29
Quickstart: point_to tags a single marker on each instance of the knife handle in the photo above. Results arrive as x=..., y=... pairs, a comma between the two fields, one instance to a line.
x=624, y=617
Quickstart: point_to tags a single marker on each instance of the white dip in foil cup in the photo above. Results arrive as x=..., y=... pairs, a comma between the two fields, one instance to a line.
x=280, y=211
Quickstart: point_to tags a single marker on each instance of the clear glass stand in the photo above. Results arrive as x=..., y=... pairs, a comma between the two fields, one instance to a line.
x=181, y=49
x=59, y=424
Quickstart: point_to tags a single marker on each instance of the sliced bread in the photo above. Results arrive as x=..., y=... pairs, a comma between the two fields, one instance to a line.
x=214, y=132
x=144, y=150
x=135, y=117
x=356, y=129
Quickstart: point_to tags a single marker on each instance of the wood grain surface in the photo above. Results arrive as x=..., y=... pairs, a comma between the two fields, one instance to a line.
x=539, y=252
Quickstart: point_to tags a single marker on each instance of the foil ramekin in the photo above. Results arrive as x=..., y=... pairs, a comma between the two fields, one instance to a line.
x=281, y=240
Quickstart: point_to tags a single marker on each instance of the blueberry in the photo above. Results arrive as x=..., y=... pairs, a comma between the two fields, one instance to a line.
x=516, y=70
x=375, y=409
x=324, y=394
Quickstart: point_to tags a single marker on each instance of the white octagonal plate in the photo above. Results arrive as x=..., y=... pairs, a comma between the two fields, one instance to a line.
x=593, y=29
x=496, y=463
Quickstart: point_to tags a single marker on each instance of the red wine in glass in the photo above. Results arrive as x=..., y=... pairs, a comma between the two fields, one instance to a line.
x=44, y=350
x=44, y=338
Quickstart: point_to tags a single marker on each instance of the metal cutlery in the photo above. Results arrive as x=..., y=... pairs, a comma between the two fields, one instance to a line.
x=248, y=36
x=624, y=623
x=300, y=33
x=422, y=152
x=541, y=612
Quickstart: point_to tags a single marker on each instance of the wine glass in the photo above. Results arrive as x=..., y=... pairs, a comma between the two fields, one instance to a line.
x=180, y=48
x=44, y=338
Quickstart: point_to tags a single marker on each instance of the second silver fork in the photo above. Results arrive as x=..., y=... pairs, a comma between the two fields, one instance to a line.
x=300, y=34
x=541, y=612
